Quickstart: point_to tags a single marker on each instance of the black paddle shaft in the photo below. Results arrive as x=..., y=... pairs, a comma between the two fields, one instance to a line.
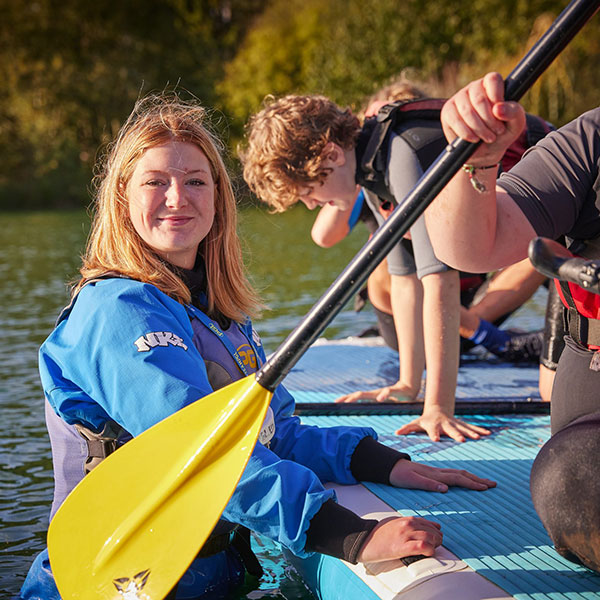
x=566, y=26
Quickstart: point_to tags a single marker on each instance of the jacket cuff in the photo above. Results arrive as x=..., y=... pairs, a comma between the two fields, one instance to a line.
x=373, y=461
x=338, y=532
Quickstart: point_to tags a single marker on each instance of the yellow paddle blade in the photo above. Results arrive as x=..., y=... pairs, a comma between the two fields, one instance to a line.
x=134, y=524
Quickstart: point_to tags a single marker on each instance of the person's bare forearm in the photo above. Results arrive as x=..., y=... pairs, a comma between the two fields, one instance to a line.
x=441, y=314
x=441, y=311
x=459, y=222
x=478, y=233
x=473, y=225
x=508, y=290
x=330, y=226
x=407, y=308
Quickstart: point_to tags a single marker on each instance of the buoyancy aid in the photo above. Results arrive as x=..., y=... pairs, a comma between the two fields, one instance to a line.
x=418, y=123
x=76, y=449
x=582, y=306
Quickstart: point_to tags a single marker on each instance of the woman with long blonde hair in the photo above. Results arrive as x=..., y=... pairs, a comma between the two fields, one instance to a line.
x=114, y=244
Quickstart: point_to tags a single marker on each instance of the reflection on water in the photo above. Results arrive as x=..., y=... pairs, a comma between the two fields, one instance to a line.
x=38, y=254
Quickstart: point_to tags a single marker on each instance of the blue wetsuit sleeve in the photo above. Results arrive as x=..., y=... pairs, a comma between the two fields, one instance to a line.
x=277, y=498
x=125, y=352
x=356, y=210
x=280, y=490
x=327, y=451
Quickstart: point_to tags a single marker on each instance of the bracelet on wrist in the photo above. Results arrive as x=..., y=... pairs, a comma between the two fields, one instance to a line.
x=470, y=171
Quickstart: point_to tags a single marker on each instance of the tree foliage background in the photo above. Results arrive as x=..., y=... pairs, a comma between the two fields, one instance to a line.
x=71, y=70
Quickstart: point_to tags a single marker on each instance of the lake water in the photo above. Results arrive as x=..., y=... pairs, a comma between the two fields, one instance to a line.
x=39, y=252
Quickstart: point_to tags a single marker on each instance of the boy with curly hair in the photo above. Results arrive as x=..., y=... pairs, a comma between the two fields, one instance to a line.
x=307, y=148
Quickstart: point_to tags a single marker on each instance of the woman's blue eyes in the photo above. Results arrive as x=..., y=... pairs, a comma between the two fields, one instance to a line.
x=158, y=182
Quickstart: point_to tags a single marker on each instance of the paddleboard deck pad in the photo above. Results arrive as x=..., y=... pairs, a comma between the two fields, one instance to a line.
x=494, y=544
x=329, y=370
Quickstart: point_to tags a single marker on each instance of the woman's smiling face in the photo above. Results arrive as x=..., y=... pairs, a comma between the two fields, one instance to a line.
x=171, y=197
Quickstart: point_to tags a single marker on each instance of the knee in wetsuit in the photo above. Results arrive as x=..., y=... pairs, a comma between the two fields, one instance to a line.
x=387, y=329
x=554, y=330
x=566, y=490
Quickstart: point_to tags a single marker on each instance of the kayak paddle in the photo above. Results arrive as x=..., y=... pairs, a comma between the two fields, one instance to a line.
x=132, y=526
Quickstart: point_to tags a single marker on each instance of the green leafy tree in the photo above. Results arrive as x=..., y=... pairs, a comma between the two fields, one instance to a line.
x=72, y=69
x=275, y=56
x=347, y=49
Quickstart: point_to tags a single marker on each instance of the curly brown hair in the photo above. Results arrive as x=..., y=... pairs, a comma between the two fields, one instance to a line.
x=285, y=141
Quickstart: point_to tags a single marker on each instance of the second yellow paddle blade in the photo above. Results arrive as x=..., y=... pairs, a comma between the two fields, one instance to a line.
x=133, y=525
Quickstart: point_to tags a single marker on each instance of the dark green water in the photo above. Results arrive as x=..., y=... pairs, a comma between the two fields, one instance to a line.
x=38, y=254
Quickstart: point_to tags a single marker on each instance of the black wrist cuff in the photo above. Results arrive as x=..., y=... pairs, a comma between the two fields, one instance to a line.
x=373, y=461
x=338, y=532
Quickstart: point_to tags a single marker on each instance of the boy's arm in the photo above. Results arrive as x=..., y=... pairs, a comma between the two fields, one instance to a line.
x=441, y=314
x=331, y=226
x=333, y=223
x=406, y=298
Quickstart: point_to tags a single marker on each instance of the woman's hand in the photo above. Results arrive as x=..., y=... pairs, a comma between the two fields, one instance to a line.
x=435, y=423
x=398, y=392
x=413, y=475
x=479, y=112
x=397, y=537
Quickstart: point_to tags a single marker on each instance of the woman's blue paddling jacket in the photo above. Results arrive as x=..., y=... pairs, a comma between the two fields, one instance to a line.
x=125, y=351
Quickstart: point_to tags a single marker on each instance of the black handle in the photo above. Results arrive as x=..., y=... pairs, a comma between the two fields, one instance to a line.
x=553, y=260
x=564, y=28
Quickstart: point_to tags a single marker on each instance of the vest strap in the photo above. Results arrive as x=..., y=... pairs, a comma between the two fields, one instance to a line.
x=101, y=444
x=373, y=141
x=584, y=331
x=213, y=326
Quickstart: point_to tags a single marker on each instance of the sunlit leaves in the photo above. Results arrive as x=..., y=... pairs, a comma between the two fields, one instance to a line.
x=348, y=48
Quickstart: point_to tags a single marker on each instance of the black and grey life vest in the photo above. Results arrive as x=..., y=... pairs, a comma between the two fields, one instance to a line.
x=418, y=123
